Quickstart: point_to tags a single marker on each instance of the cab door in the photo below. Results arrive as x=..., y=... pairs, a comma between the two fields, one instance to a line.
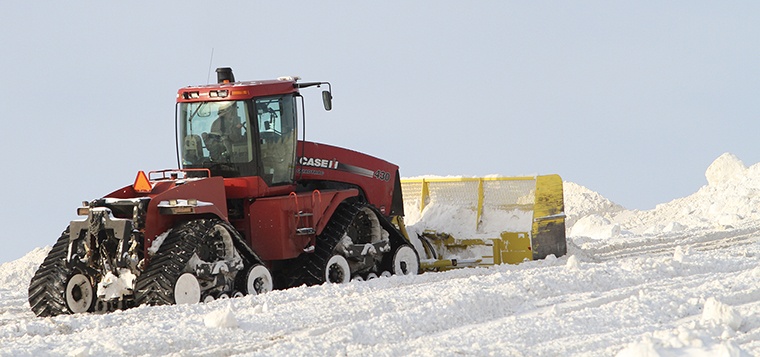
x=277, y=136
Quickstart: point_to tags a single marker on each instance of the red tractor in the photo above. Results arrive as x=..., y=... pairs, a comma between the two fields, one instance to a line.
x=252, y=207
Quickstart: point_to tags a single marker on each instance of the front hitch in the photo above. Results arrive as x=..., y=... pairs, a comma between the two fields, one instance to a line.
x=107, y=248
x=101, y=232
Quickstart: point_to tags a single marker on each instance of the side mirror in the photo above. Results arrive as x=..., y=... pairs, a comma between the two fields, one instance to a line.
x=327, y=99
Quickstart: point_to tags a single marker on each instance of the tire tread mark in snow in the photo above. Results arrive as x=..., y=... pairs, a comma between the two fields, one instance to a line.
x=48, y=285
x=666, y=245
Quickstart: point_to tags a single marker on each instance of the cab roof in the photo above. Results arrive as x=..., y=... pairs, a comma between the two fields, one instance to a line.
x=237, y=90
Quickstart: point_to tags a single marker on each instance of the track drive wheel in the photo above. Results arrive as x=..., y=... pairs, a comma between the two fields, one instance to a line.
x=47, y=288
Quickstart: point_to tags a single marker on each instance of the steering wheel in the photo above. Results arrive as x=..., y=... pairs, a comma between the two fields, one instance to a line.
x=270, y=136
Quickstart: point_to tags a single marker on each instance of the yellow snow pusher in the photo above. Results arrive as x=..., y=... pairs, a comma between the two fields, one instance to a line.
x=461, y=222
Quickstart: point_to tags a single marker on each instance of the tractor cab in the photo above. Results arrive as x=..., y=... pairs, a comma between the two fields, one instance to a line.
x=233, y=138
x=238, y=129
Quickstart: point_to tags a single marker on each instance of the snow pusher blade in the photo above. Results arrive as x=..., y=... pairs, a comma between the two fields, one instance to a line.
x=459, y=222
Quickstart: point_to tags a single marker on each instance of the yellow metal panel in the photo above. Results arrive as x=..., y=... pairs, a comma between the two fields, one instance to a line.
x=480, y=204
x=425, y=195
x=453, y=242
x=516, y=241
x=450, y=241
x=549, y=218
x=549, y=196
x=517, y=248
x=498, y=247
x=446, y=264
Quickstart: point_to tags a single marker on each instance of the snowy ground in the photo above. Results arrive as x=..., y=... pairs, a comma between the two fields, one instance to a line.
x=680, y=280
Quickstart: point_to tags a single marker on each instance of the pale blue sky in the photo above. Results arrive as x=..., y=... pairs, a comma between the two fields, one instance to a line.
x=632, y=100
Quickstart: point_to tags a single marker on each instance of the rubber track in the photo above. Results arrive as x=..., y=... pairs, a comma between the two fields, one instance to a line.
x=48, y=286
x=309, y=269
x=155, y=286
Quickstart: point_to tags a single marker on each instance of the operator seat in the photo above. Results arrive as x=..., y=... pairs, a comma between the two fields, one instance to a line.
x=192, y=148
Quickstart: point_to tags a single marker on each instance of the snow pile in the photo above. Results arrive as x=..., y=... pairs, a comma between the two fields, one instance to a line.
x=726, y=168
x=18, y=273
x=730, y=199
x=708, y=337
x=668, y=282
x=581, y=201
x=595, y=226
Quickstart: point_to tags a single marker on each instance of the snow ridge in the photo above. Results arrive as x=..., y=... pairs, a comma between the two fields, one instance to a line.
x=730, y=199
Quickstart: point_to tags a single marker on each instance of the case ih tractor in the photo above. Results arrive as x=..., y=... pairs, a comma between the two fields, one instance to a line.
x=252, y=207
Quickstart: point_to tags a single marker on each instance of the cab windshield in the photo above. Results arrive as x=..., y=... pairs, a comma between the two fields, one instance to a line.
x=240, y=138
x=215, y=132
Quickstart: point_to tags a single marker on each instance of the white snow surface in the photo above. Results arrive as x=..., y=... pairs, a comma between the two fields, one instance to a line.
x=682, y=279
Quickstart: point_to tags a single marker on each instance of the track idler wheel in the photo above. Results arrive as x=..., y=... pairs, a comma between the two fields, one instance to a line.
x=258, y=280
x=405, y=261
x=80, y=294
x=187, y=290
x=337, y=270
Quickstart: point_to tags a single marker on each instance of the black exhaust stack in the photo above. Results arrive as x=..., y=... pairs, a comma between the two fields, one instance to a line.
x=224, y=75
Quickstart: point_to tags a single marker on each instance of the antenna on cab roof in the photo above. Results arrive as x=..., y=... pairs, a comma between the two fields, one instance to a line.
x=210, y=61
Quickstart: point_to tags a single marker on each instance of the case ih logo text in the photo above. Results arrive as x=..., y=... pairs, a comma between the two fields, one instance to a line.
x=335, y=165
x=324, y=163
